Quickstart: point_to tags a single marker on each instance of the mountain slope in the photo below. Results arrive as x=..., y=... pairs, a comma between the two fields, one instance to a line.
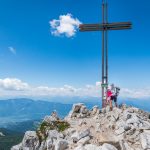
x=10, y=138
x=20, y=110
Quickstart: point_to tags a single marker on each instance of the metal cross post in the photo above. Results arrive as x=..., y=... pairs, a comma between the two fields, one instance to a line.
x=104, y=27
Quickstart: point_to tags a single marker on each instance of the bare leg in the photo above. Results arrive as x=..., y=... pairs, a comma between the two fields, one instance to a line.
x=107, y=101
x=110, y=104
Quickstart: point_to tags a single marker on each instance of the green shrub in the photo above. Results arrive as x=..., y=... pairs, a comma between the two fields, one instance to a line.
x=58, y=125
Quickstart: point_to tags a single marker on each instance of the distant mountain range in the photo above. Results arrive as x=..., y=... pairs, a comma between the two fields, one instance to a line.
x=15, y=111
x=20, y=110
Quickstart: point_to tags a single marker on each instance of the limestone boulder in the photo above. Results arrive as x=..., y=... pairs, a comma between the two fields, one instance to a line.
x=31, y=140
x=61, y=144
x=145, y=140
x=79, y=135
x=108, y=147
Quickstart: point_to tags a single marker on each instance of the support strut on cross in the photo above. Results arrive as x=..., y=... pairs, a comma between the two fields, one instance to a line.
x=105, y=27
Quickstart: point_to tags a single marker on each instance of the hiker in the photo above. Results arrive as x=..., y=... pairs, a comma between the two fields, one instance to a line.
x=115, y=93
x=109, y=95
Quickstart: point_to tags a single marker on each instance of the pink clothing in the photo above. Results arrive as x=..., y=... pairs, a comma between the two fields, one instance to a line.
x=109, y=93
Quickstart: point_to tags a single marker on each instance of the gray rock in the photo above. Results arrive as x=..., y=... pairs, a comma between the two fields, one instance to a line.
x=49, y=145
x=134, y=119
x=103, y=110
x=54, y=135
x=70, y=131
x=84, y=133
x=75, y=137
x=82, y=115
x=50, y=119
x=43, y=145
x=124, y=106
x=80, y=147
x=107, y=109
x=97, y=127
x=84, y=140
x=145, y=140
x=130, y=110
x=145, y=125
x=79, y=135
x=72, y=114
x=126, y=128
x=129, y=116
x=120, y=123
x=83, y=110
x=108, y=147
x=119, y=131
x=30, y=140
x=76, y=107
x=133, y=138
x=61, y=145
x=95, y=110
x=125, y=146
x=92, y=147
x=78, y=110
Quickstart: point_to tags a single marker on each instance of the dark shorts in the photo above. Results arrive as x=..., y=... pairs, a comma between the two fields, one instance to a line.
x=114, y=98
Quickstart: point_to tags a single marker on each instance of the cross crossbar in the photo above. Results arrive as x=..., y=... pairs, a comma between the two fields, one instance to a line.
x=105, y=26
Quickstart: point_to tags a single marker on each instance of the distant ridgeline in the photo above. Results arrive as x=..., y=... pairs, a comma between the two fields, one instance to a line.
x=20, y=110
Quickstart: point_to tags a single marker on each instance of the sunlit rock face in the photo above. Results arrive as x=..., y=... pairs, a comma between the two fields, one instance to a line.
x=124, y=128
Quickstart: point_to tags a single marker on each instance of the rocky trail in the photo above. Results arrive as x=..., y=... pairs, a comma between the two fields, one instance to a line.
x=124, y=128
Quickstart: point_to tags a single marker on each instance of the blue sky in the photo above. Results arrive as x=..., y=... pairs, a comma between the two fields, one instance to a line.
x=30, y=53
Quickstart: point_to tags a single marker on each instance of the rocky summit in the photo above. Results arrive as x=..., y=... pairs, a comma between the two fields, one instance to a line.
x=124, y=128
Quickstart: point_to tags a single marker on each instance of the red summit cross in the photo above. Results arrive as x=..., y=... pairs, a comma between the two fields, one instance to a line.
x=104, y=27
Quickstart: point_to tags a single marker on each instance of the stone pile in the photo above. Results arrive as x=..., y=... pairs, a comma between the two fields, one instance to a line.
x=125, y=128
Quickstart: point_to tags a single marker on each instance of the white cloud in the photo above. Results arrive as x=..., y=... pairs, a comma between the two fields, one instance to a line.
x=13, y=84
x=12, y=50
x=135, y=93
x=65, y=25
x=12, y=87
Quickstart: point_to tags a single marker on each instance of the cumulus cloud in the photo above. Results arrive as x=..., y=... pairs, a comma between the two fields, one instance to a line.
x=12, y=87
x=67, y=90
x=65, y=25
x=13, y=84
x=12, y=50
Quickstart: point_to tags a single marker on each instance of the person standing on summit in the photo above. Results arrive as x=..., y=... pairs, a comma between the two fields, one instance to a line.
x=115, y=93
x=109, y=97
